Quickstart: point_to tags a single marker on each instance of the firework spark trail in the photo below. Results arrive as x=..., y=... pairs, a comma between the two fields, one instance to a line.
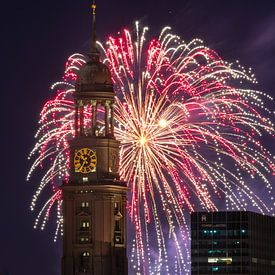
x=190, y=134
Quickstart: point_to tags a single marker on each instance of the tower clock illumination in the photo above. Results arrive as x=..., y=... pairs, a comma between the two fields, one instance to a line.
x=85, y=161
x=94, y=197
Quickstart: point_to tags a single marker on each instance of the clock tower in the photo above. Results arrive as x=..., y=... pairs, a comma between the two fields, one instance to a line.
x=94, y=197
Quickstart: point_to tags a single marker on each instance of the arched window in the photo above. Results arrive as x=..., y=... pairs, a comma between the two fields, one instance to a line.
x=85, y=262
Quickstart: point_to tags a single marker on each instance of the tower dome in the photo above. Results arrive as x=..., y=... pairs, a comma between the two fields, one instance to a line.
x=94, y=76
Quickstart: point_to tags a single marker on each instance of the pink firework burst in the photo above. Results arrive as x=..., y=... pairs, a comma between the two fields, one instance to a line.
x=190, y=133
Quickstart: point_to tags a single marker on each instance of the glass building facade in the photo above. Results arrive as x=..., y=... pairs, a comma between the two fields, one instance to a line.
x=235, y=242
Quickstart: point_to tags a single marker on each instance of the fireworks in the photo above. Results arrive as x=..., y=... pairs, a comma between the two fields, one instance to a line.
x=190, y=134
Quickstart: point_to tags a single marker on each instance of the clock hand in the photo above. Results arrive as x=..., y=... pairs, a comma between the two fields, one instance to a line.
x=84, y=162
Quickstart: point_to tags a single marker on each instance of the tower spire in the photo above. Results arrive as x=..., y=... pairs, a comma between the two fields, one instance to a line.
x=93, y=50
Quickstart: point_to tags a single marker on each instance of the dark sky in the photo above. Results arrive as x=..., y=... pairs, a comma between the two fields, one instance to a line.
x=36, y=39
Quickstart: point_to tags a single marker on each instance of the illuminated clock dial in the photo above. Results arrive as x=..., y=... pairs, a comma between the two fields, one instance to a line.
x=85, y=161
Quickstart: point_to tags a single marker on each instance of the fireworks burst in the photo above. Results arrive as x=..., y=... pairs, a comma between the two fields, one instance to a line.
x=190, y=135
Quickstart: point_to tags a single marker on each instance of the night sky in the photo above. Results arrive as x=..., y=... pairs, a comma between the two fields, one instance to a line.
x=36, y=39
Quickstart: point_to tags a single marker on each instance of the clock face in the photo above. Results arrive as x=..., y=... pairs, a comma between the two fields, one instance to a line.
x=85, y=161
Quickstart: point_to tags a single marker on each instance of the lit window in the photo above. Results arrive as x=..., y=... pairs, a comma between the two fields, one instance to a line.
x=84, y=239
x=85, y=179
x=86, y=254
x=227, y=260
x=116, y=205
x=85, y=204
x=254, y=260
x=118, y=239
x=85, y=224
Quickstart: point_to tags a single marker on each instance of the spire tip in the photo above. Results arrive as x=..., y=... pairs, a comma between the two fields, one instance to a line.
x=93, y=51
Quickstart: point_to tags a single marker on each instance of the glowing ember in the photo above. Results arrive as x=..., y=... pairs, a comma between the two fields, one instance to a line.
x=142, y=141
x=163, y=123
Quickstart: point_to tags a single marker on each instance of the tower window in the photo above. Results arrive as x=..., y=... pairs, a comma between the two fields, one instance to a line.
x=85, y=204
x=117, y=226
x=84, y=239
x=118, y=223
x=84, y=262
x=85, y=179
x=86, y=254
x=85, y=225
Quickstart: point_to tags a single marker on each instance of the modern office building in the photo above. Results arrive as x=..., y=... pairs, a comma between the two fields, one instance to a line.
x=234, y=242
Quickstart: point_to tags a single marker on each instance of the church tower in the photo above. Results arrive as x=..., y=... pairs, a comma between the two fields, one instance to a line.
x=94, y=198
